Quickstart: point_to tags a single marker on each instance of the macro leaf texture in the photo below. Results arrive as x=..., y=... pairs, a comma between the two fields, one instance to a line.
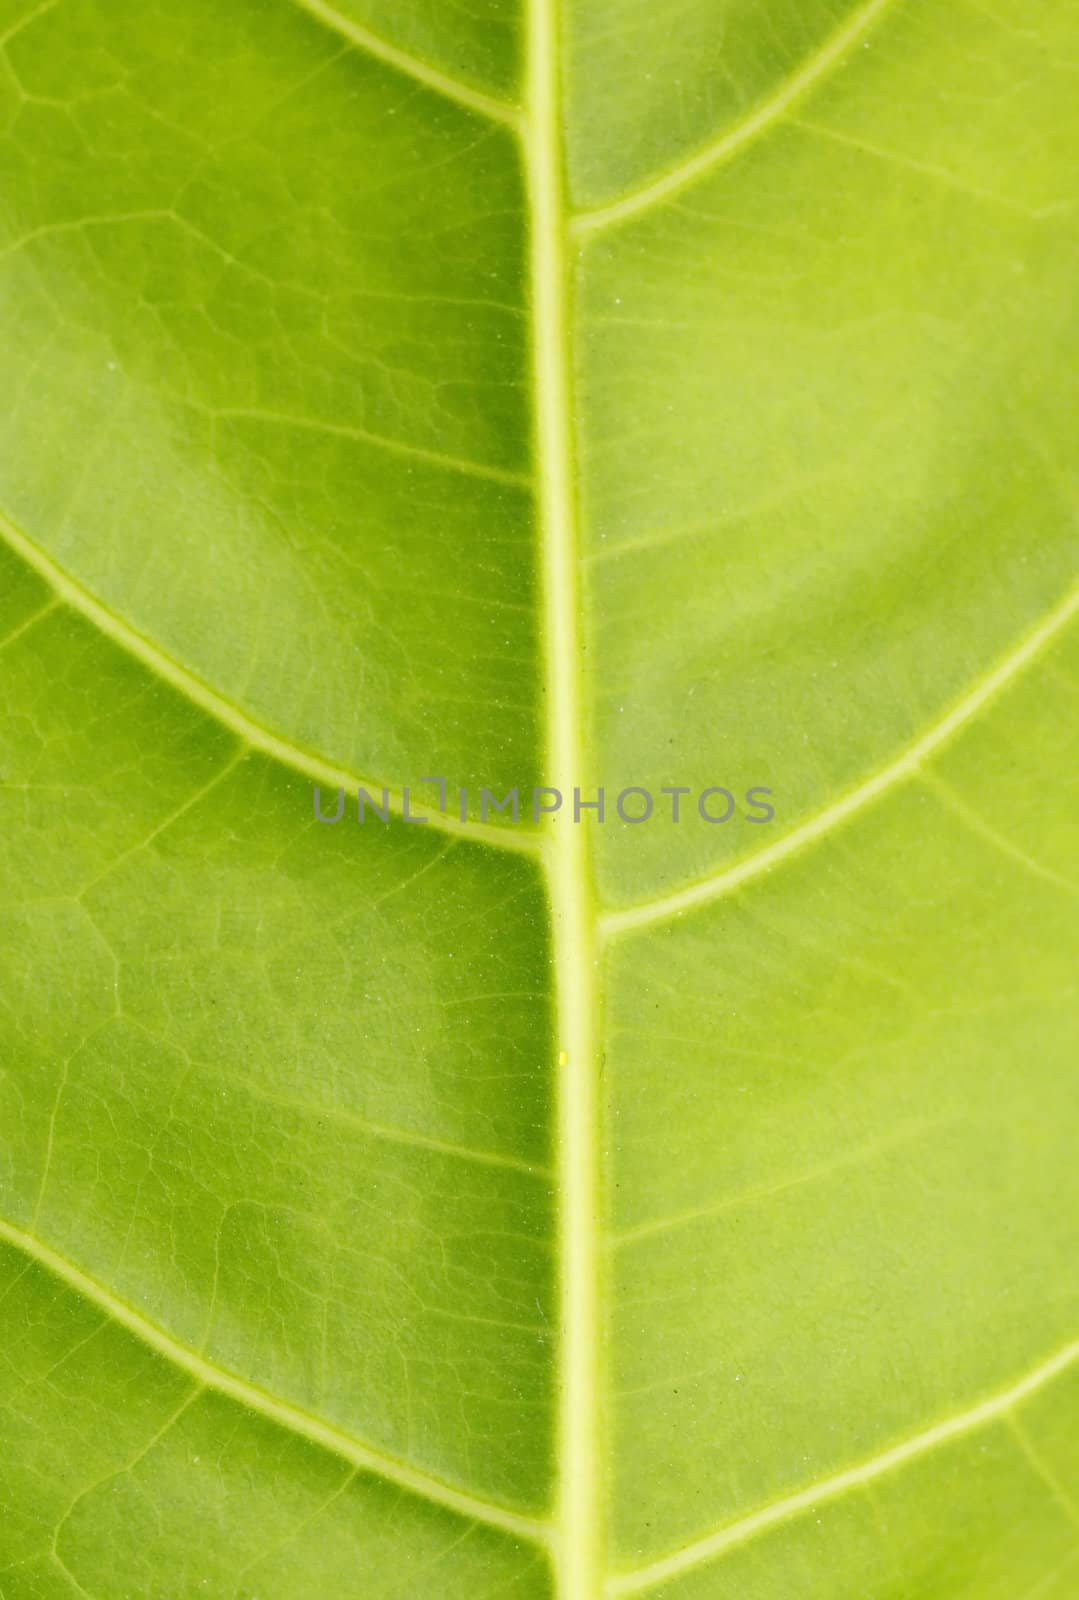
x=539, y=393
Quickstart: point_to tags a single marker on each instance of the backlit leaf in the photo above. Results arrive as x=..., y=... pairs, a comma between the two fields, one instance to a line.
x=528, y=393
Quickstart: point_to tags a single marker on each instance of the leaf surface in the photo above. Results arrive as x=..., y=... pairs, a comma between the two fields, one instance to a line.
x=575, y=394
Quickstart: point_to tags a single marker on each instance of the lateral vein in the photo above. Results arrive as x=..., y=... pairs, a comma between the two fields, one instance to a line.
x=229, y=715
x=431, y=77
x=990, y=835
x=905, y=767
x=996, y=1407
x=379, y=441
x=826, y=60
x=282, y=1412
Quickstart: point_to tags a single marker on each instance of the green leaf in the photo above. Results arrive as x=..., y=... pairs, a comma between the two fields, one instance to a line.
x=585, y=393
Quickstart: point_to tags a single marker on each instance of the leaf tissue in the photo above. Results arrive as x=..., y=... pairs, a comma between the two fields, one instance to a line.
x=547, y=396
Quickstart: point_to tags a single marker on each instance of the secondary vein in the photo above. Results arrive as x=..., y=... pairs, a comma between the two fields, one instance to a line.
x=831, y=55
x=379, y=441
x=424, y=72
x=902, y=769
x=996, y=1407
x=280, y=1411
x=229, y=715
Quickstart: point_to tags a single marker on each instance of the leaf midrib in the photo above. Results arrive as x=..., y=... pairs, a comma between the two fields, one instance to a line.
x=575, y=1536
x=581, y=1515
x=613, y=921
x=998, y=1406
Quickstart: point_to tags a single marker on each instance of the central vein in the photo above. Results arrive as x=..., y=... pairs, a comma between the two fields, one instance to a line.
x=580, y=1515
